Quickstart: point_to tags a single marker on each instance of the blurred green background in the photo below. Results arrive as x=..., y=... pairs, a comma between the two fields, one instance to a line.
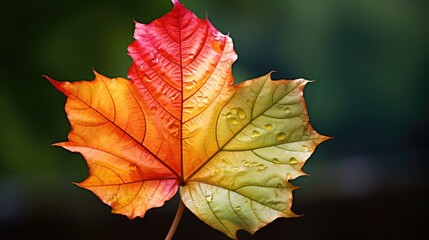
x=369, y=58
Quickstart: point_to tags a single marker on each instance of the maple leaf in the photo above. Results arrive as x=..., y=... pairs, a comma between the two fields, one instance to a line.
x=181, y=124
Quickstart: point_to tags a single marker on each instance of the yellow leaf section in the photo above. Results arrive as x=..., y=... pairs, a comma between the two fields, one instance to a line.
x=126, y=153
x=263, y=138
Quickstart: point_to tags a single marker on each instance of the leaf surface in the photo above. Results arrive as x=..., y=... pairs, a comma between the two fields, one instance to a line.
x=181, y=123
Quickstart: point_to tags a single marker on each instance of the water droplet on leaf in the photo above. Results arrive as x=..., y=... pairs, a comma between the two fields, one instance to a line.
x=238, y=208
x=132, y=167
x=174, y=97
x=276, y=161
x=304, y=148
x=246, y=163
x=261, y=167
x=293, y=161
x=240, y=113
x=164, y=90
x=233, y=121
x=218, y=35
x=218, y=44
x=304, y=123
x=281, y=136
x=287, y=110
x=146, y=78
x=188, y=109
x=268, y=127
x=153, y=110
x=250, y=103
x=112, y=199
x=209, y=198
x=206, y=100
x=174, y=128
x=256, y=133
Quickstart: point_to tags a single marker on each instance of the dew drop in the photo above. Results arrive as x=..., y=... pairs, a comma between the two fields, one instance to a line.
x=234, y=110
x=218, y=35
x=164, y=90
x=142, y=67
x=246, y=163
x=233, y=120
x=281, y=136
x=304, y=148
x=174, y=97
x=235, y=168
x=112, y=199
x=293, y=161
x=199, y=98
x=190, y=84
x=256, y=133
x=155, y=60
x=238, y=208
x=174, y=128
x=188, y=109
x=228, y=115
x=223, y=116
x=287, y=110
x=153, y=110
x=250, y=103
x=276, y=161
x=218, y=45
x=147, y=78
x=240, y=113
x=206, y=100
x=261, y=167
x=279, y=185
x=209, y=198
x=132, y=167
x=229, y=92
x=268, y=127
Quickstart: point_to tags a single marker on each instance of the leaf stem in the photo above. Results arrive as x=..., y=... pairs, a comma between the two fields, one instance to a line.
x=176, y=221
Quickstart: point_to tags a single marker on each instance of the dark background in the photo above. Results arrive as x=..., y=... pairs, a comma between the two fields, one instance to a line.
x=370, y=62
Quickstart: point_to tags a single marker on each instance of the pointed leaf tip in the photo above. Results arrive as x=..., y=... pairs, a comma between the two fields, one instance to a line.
x=49, y=79
x=58, y=85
